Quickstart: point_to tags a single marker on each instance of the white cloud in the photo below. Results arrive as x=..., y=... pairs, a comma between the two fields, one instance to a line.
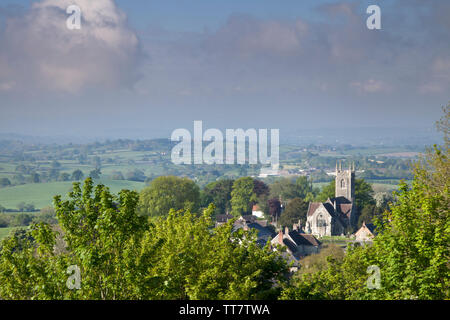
x=370, y=86
x=43, y=54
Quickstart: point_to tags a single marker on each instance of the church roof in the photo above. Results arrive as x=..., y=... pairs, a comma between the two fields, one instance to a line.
x=313, y=207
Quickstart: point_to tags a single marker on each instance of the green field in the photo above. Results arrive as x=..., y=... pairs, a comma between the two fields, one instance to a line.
x=41, y=194
x=5, y=231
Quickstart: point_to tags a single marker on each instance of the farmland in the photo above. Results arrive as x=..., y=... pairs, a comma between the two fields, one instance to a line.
x=34, y=174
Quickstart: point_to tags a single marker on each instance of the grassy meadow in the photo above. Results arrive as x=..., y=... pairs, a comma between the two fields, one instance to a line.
x=41, y=194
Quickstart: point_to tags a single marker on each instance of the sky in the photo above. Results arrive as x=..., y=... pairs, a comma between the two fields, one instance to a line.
x=143, y=68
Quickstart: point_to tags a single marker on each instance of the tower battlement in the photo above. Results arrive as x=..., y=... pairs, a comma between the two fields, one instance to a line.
x=345, y=182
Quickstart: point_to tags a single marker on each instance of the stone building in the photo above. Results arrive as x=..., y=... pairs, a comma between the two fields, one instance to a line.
x=298, y=244
x=366, y=232
x=334, y=216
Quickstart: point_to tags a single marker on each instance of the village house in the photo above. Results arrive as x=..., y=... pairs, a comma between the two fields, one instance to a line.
x=256, y=211
x=366, y=232
x=297, y=243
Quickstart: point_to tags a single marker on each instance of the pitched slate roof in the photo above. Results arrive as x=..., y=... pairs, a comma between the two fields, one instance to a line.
x=303, y=239
x=223, y=217
x=313, y=207
x=311, y=239
x=262, y=231
x=291, y=246
x=249, y=218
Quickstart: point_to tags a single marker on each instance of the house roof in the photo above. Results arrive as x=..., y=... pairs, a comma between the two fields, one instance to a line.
x=262, y=231
x=291, y=246
x=262, y=223
x=303, y=239
x=367, y=226
x=311, y=239
x=223, y=217
x=249, y=218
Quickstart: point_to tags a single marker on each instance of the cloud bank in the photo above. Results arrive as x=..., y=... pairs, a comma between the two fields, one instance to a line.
x=39, y=53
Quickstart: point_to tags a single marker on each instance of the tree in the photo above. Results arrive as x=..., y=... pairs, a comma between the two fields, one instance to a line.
x=296, y=210
x=19, y=178
x=219, y=193
x=95, y=174
x=284, y=188
x=328, y=191
x=54, y=174
x=363, y=194
x=120, y=255
x=200, y=262
x=77, y=175
x=260, y=188
x=136, y=175
x=35, y=177
x=169, y=192
x=369, y=214
x=64, y=176
x=4, y=182
x=117, y=175
x=21, y=219
x=411, y=246
x=289, y=189
x=242, y=196
x=304, y=187
x=56, y=165
x=274, y=208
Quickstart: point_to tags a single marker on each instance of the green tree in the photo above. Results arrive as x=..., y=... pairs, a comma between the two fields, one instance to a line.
x=4, y=182
x=289, y=189
x=35, y=177
x=296, y=209
x=136, y=175
x=169, y=192
x=219, y=193
x=204, y=263
x=95, y=174
x=411, y=248
x=368, y=214
x=64, y=176
x=242, y=196
x=77, y=175
x=120, y=255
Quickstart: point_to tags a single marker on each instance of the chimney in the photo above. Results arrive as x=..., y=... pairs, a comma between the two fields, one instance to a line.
x=286, y=230
x=280, y=237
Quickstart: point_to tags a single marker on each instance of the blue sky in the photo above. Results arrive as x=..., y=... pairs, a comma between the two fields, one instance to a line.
x=144, y=68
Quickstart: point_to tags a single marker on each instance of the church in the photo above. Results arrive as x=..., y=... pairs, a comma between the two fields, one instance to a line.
x=334, y=216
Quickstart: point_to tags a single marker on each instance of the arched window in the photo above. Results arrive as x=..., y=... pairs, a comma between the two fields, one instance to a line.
x=321, y=222
x=342, y=183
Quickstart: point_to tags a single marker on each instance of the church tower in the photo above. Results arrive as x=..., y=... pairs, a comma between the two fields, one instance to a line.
x=345, y=182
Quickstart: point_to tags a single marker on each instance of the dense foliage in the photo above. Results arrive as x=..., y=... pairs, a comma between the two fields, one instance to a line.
x=121, y=255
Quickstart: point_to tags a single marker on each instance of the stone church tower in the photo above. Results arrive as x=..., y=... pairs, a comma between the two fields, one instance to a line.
x=345, y=182
x=336, y=215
